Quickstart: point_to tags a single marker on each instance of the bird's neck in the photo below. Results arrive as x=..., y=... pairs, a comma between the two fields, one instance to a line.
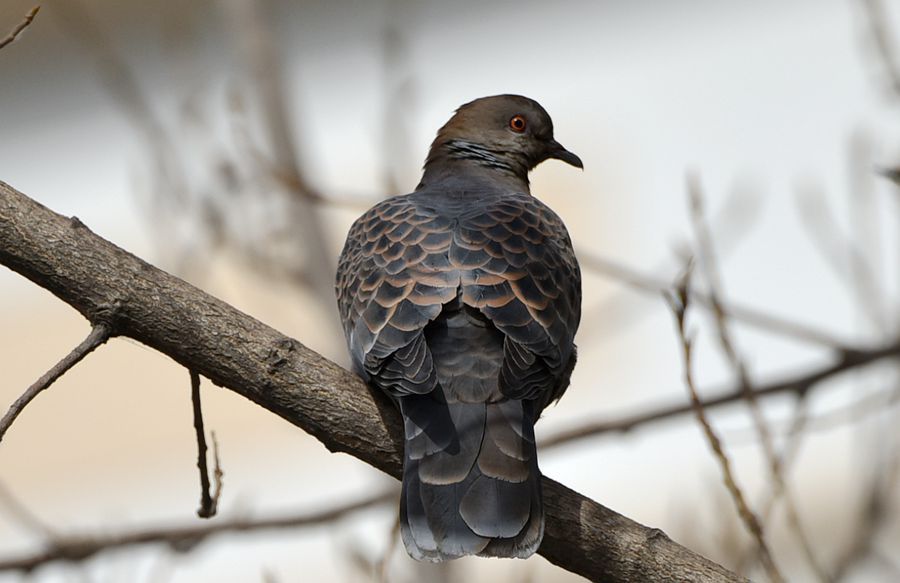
x=458, y=160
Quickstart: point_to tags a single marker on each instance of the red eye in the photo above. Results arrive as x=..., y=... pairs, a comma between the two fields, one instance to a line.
x=517, y=123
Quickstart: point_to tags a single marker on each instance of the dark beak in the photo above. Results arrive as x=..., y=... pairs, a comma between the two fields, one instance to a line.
x=556, y=150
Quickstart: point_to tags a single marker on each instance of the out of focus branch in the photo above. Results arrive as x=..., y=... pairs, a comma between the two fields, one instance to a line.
x=884, y=41
x=679, y=301
x=709, y=263
x=799, y=384
x=240, y=353
x=747, y=315
x=73, y=548
x=26, y=22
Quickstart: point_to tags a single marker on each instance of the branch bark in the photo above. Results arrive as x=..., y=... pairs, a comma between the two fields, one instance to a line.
x=110, y=286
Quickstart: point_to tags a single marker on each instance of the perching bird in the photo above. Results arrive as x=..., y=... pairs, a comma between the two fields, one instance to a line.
x=461, y=301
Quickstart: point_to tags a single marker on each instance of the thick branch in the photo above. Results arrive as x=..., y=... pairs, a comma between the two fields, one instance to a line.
x=108, y=285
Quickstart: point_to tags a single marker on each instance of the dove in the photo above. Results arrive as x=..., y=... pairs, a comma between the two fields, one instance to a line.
x=461, y=301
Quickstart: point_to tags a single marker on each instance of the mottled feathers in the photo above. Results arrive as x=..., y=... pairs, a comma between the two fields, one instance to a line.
x=461, y=301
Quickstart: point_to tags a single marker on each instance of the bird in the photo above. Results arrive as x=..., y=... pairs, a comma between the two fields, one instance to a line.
x=461, y=301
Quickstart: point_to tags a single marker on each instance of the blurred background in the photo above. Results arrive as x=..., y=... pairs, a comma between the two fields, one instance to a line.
x=232, y=143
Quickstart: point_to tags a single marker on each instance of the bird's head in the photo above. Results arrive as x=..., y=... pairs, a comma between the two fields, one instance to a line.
x=509, y=134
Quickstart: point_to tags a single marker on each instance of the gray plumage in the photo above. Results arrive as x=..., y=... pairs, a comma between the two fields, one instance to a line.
x=461, y=301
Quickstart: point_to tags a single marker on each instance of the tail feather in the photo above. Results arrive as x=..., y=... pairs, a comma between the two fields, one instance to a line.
x=471, y=483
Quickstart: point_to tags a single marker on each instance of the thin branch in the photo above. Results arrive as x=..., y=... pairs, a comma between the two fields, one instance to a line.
x=747, y=315
x=843, y=256
x=99, y=334
x=257, y=46
x=26, y=22
x=240, y=353
x=217, y=471
x=845, y=414
x=208, y=503
x=74, y=548
x=679, y=302
x=22, y=514
x=726, y=342
x=799, y=384
x=384, y=563
x=880, y=33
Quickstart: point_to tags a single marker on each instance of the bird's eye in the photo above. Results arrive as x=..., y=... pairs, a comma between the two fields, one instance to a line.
x=517, y=123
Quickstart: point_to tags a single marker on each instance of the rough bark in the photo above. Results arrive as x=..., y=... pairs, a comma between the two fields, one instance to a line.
x=110, y=286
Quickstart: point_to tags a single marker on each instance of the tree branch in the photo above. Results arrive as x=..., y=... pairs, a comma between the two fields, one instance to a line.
x=208, y=503
x=679, y=300
x=798, y=384
x=99, y=334
x=242, y=354
x=26, y=22
x=75, y=548
x=748, y=315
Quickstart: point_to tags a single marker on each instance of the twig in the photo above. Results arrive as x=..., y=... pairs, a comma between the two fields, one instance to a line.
x=854, y=412
x=884, y=41
x=75, y=548
x=875, y=510
x=798, y=384
x=748, y=315
x=257, y=45
x=208, y=503
x=841, y=253
x=384, y=564
x=679, y=302
x=217, y=471
x=22, y=513
x=26, y=22
x=726, y=342
x=892, y=174
x=99, y=334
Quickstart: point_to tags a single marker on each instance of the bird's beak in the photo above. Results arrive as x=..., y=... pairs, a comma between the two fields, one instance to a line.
x=556, y=150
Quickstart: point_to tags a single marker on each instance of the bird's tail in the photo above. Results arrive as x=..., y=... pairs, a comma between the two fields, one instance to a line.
x=471, y=484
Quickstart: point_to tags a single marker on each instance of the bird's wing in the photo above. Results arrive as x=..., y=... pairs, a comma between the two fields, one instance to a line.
x=518, y=267
x=393, y=278
x=512, y=258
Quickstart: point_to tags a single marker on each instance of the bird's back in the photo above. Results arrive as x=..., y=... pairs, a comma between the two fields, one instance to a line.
x=455, y=304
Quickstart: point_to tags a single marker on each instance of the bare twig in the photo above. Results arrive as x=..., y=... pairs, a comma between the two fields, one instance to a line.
x=708, y=262
x=747, y=315
x=875, y=511
x=842, y=255
x=880, y=33
x=841, y=415
x=99, y=334
x=23, y=514
x=892, y=174
x=26, y=22
x=385, y=562
x=217, y=471
x=798, y=384
x=679, y=303
x=256, y=42
x=73, y=548
x=208, y=503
